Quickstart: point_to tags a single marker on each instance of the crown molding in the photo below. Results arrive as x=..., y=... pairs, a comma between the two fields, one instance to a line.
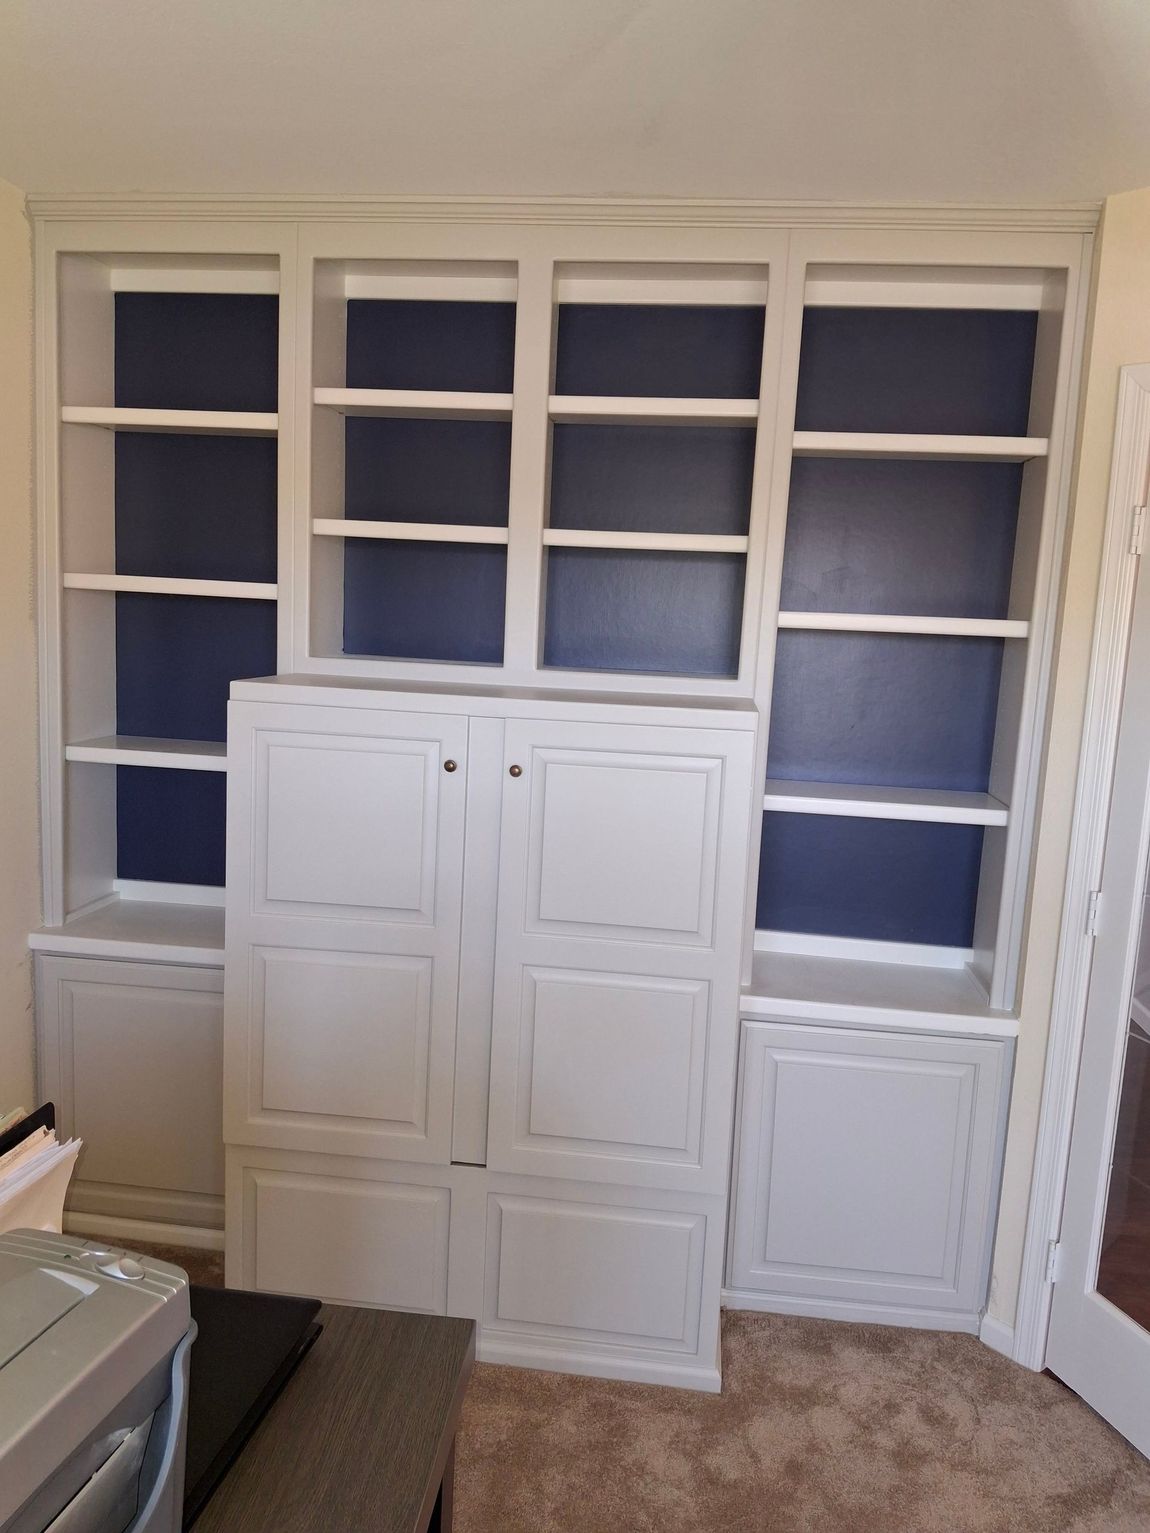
x=704, y=213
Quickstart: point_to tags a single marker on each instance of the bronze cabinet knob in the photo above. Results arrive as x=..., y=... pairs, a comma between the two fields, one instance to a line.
x=450, y=766
x=516, y=771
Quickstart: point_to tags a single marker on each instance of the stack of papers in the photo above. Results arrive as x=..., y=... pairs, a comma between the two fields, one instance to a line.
x=34, y=1177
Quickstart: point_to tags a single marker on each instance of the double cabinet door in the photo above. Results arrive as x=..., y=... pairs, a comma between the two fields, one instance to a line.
x=599, y=1025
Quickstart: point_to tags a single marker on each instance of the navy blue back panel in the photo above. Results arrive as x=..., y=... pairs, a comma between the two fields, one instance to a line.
x=195, y=507
x=884, y=880
x=630, y=610
x=882, y=535
x=399, y=343
x=652, y=478
x=930, y=370
x=427, y=470
x=170, y=825
x=676, y=351
x=176, y=657
x=424, y=601
x=197, y=351
x=902, y=710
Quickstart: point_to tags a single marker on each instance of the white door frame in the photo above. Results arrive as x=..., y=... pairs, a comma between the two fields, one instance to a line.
x=1114, y=612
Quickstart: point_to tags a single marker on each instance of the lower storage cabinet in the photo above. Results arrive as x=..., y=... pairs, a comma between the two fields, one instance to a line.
x=866, y=1174
x=131, y=1054
x=612, y=1281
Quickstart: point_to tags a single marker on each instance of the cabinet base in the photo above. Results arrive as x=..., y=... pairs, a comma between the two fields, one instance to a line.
x=861, y=1314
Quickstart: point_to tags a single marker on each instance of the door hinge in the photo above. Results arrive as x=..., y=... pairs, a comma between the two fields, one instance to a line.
x=1138, y=532
x=1053, y=1261
x=1093, y=904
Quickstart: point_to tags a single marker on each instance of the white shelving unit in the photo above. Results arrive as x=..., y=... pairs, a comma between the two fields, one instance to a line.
x=89, y=908
x=583, y=550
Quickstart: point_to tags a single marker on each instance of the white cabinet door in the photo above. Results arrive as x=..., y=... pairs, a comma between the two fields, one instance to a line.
x=345, y=867
x=865, y=1171
x=621, y=891
x=131, y=1054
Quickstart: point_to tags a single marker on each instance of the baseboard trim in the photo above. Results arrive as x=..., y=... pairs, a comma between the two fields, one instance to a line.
x=149, y=1231
x=858, y=1313
x=596, y=1365
x=998, y=1336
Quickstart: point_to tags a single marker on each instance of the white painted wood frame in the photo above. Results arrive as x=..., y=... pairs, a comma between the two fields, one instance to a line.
x=1115, y=605
x=80, y=265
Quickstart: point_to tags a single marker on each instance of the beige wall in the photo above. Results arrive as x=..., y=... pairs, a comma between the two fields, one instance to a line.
x=19, y=849
x=1120, y=334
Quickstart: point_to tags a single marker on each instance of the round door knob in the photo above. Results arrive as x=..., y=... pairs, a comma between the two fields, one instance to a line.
x=450, y=766
x=516, y=771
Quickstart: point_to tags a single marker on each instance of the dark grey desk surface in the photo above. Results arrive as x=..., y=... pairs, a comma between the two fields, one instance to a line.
x=362, y=1435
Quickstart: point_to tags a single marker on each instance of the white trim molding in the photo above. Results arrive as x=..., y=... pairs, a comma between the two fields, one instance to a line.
x=1114, y=610
x=696, y=212
x=110, y=1227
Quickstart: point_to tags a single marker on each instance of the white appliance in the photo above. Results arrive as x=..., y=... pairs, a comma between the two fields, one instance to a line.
x=94, y=1345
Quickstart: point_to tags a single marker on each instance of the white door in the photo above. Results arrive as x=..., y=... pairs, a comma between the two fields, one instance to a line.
x=621, y=889
x=1099, y=1340
x=345, y=868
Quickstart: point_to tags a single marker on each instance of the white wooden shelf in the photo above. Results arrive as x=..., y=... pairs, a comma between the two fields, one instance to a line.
x=622, y=410
x=870, y=803
x=856, y=993
x=418, y=404
x=153, y=930
x=884, y=622
x=411, y=532
x=677, y=542
x=196, y=422
x=141, y=750
x=897, y=444
x=155, y=585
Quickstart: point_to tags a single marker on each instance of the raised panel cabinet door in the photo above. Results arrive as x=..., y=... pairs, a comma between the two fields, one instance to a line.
x=131, y=1054
x=623, y=864
x=345, y=869
x=865, y=1167
x=348, y=1231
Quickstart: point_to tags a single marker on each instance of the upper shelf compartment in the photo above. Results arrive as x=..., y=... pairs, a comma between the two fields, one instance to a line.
x=415, y=340
x=678, y=346
x=177, y=346
x=916, y=372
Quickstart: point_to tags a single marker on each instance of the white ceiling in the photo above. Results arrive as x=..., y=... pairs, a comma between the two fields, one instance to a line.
x=860, y=100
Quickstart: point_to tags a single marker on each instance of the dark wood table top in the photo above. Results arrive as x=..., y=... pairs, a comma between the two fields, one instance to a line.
x=359, y=1439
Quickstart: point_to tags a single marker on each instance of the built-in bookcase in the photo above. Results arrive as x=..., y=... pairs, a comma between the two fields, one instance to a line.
x=167, y=485
x=823, y=469
x=920, y=508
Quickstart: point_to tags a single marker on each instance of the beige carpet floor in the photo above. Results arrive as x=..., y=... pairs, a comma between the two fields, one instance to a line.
x=821, y=1428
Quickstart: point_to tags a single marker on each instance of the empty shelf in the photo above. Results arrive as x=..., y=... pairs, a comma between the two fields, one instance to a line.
x=198, y=422
x=851, y=991
x=147, y=929
x=864, y=802
x=141, y=750
x=624, y=410
x=426, y=404
x=895, y=444
x=677, y=542
x=414, y=532
x=884, y=622
x=249, y=590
